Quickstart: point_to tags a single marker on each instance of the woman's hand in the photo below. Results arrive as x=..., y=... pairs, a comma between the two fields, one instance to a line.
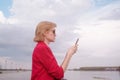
x=72, y=50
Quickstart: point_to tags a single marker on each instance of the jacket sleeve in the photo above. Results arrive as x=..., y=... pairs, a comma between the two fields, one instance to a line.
x=49, y=62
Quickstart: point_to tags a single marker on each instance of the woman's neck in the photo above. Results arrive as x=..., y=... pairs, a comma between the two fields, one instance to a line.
x=46, y=42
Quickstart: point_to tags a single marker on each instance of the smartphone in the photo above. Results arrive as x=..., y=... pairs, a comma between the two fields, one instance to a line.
x=77, y=41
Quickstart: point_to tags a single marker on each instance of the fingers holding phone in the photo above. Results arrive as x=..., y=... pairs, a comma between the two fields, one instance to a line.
x=73, y=49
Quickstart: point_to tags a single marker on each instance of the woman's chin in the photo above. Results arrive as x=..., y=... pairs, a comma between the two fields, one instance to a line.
x=52, y=41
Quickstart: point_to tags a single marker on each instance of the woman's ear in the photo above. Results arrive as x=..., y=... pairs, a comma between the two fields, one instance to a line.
x=45, y=33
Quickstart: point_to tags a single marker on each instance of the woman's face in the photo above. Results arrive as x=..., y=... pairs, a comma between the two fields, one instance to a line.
x=50, y=35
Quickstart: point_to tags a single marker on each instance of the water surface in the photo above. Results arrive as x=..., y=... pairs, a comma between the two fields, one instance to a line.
x=69, y=75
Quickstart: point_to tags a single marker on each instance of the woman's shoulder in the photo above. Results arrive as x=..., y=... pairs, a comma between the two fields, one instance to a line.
x=41, y=45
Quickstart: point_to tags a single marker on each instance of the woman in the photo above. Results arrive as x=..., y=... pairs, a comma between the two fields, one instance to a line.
x=44, y=64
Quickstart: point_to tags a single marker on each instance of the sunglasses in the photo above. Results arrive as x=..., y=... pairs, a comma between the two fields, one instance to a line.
x=53, y=31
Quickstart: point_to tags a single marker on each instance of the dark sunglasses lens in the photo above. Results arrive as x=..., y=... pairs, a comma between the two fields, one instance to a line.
x=54, y=32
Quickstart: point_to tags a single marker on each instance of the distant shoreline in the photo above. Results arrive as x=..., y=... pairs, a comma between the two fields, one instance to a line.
x=115, y=68
x=15, y=70
x=0, y=72
x=9, y=70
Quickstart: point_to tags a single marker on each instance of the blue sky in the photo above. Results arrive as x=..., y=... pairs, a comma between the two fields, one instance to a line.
x=95, y=22
x=5, y=6
x=101, y=3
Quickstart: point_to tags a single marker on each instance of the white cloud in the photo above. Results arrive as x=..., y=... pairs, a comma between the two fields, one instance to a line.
x=98, y=28
x=2, y=17
x=108, y=12
x=12, y=21
x=5, y=20
x=44, y=9
x=100, y=37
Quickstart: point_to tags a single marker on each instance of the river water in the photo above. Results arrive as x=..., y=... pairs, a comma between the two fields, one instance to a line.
x=69, y=75
x=92, y=75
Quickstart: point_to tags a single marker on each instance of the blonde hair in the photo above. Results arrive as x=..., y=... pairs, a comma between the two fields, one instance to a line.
x=41, y=28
